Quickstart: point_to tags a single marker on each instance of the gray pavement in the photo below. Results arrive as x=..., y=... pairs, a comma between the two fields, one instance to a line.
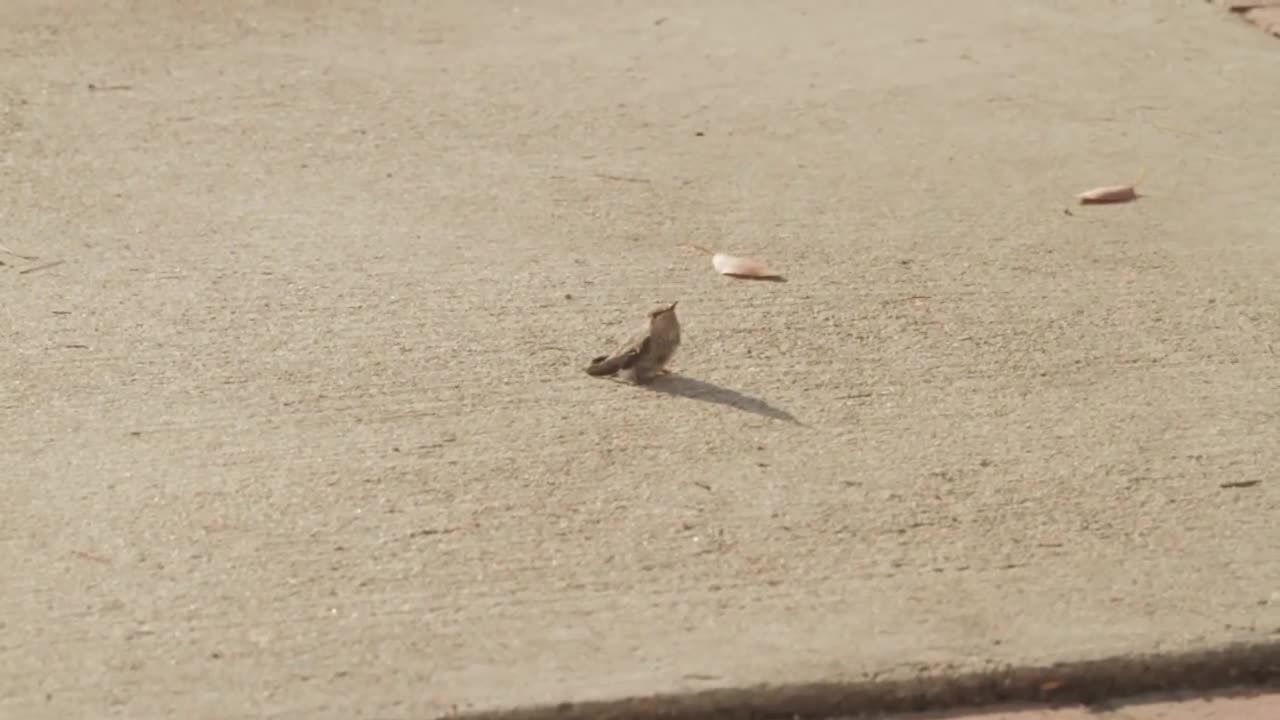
x=298, y=428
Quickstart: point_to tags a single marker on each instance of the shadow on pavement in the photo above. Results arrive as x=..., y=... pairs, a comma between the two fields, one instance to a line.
x=712, y=393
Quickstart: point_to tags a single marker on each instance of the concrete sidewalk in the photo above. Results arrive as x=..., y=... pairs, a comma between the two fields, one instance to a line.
x=298, y=428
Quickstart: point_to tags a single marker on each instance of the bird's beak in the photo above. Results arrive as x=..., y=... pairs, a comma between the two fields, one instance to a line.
x=673, y=306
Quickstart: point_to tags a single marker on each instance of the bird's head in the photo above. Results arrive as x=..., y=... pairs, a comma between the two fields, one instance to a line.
x=663, y=310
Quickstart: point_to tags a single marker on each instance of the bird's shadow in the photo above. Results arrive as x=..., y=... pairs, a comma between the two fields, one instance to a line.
x=687, y=387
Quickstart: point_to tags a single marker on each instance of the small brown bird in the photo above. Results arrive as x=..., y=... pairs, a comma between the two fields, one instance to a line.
x=645, y=355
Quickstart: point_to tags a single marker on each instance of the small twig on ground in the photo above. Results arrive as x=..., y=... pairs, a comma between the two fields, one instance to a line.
x=37, y=268
x=88, y=556
x=908, y=298
x=622, y=178
x=4, y=249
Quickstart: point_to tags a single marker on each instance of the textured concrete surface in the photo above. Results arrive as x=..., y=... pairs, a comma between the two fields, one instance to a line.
x=298, y=427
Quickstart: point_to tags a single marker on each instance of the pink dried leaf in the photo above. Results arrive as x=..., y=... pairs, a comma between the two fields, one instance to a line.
x=1267, y=18
x=743, y=267
x=1108, y=194
x=1111, y=193
x=739, y=267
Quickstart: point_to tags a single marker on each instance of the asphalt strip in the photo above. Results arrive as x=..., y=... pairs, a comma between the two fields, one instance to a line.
x=1225, y=670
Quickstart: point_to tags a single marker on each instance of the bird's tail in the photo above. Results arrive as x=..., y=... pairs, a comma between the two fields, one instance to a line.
x=603, y=365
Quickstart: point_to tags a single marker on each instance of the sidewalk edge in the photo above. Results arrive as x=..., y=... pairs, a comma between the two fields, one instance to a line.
x=1239, y=665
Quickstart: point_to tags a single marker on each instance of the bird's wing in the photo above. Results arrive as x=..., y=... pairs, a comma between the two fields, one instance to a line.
x=634, y=350
x=623, y=358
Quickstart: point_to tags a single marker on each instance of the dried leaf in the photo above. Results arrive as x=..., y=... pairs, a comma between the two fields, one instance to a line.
x=739, y=267
x=1267, y=18
x=1110, y=194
